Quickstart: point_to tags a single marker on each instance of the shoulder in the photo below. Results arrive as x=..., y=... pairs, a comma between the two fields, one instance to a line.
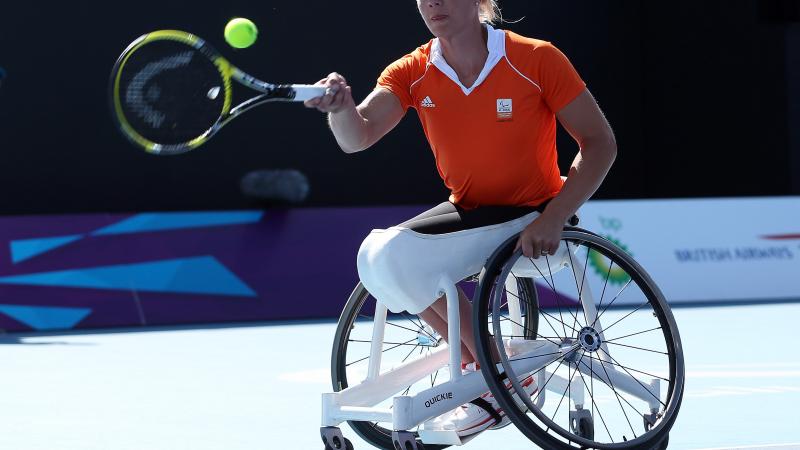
x=400, y=76
x=528, y=50
x=538, y=59
x=519, y=41
x=413, y=62
x=423, y=52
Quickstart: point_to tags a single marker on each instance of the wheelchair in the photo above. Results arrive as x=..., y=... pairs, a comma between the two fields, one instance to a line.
x=589, y=324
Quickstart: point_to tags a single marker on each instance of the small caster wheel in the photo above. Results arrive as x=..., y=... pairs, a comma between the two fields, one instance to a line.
x=586, y=429
x=333, y=439
x=582, y=424
x=347, y=446
x=403, y=440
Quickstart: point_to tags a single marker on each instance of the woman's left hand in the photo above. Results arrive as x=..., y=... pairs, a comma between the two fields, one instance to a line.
x=541, y=237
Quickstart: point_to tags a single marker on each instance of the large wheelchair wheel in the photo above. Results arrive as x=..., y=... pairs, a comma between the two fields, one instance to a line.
x=609, y=367
x=406, y=338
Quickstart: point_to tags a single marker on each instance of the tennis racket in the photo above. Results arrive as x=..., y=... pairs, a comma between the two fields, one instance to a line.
x=171, y=92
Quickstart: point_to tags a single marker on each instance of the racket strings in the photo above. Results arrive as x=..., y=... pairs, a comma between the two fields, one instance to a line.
x=170, y=92
x=142, y=94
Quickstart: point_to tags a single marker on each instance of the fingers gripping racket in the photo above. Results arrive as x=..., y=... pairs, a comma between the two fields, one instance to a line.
x=171, y=92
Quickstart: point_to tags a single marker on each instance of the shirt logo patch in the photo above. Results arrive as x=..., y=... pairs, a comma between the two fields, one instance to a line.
x=505, y=109
x=428, y=103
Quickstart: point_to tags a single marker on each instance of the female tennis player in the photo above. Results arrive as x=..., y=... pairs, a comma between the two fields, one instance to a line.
x=489, y=101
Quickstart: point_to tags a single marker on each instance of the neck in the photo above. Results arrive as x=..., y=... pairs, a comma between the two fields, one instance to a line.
x=466, y=50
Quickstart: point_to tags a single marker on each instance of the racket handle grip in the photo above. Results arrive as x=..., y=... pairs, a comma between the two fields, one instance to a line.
x=305, y=92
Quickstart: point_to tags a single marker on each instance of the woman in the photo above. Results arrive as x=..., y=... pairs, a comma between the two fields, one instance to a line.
x=488, y=101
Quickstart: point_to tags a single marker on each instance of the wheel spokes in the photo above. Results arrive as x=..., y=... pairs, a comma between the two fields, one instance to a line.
x=639, y=337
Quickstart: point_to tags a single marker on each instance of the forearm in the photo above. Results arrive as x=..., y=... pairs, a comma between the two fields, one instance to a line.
x=588, y=170
x=350, y=129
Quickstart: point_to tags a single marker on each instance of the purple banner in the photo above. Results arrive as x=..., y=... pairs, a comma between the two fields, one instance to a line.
x=90, y=271
x=124, y=270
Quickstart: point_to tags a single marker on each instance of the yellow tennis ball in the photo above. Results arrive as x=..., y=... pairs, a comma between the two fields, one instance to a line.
x=241, y=33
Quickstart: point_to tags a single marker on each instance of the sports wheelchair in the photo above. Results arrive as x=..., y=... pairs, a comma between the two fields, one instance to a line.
x=589, y=324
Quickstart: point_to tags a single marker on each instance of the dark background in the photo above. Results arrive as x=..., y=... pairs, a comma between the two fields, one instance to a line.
x=703, y=96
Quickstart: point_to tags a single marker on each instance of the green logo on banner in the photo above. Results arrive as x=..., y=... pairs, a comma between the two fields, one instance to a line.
x=601, y=265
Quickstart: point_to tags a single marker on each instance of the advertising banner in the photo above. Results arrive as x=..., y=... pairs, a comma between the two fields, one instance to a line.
x=130, y=270
x=714, y=250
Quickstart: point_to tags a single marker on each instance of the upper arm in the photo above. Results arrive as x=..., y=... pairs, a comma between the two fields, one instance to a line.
x=382, y=111
x=584, y=121
x=567, y=96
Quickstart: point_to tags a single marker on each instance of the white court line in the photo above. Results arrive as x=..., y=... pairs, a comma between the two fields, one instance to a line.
x=770, y=365
x=743, y=374
x=759, y=447
x=729, y=391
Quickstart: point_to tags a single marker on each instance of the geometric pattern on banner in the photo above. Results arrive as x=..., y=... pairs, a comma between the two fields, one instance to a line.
x=141, y=223
x=548, y=299
x=42, y=318
x=23, y=249
x=198, y=275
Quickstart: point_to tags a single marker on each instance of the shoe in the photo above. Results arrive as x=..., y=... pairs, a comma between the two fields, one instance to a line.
x=482, y=413
x=470, y=367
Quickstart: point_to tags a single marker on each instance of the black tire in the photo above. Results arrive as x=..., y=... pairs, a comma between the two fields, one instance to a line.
x=532, y=421
x=360, y=304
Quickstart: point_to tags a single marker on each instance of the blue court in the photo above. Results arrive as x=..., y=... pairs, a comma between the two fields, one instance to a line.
x=259, y=386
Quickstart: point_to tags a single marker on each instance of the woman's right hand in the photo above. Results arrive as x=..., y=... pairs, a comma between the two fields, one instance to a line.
x=338, y=95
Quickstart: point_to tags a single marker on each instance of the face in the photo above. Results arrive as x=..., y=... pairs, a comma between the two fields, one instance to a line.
x=447, y=17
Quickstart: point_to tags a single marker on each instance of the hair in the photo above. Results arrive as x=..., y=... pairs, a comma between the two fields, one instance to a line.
x=490, y=12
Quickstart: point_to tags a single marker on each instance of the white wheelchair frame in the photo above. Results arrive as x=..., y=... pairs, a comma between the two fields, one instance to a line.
x=358, y=402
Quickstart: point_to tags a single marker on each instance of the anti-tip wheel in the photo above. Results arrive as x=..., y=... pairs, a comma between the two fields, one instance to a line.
x=584, y=428
x=336, y=444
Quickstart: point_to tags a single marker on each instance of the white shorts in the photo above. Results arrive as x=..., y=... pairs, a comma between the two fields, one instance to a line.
x=405, y=269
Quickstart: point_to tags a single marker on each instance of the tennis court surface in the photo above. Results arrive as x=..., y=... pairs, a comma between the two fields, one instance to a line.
x=233, y=388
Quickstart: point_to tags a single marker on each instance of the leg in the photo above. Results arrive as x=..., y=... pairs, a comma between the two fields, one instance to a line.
x=436, y=317
x=448, y=218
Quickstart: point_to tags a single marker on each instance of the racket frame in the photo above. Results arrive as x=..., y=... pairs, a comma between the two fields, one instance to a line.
x=228, y=73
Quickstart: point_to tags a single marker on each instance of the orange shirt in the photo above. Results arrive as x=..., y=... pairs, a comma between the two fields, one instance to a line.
x=494, y=142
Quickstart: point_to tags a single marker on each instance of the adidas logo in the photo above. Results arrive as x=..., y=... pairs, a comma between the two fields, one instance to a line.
x=428, y=103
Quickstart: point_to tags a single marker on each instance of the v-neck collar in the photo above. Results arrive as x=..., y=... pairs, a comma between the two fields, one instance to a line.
x=495, y=43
